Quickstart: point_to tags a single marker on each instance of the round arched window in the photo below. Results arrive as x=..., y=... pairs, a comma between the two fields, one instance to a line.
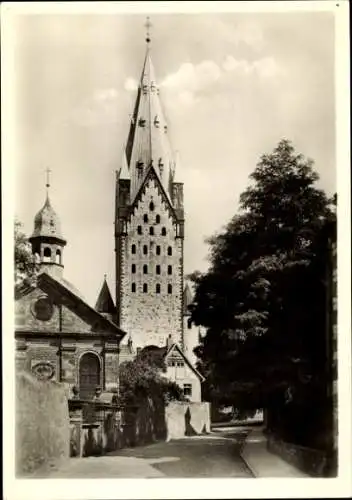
x=43, y=309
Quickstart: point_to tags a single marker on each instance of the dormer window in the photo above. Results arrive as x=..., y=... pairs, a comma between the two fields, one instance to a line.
x=165, y=128
x=156, y=121
x=145, y=89
x=152, y=87
x=141, y=122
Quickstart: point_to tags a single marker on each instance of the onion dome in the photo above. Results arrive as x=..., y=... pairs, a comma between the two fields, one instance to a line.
x=47, y=222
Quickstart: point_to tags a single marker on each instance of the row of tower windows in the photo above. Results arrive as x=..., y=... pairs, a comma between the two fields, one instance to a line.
x=157, y=269
x=151, y=231
x=157, y=217
x=145, y=249
x=47, y=255
x=157, y=288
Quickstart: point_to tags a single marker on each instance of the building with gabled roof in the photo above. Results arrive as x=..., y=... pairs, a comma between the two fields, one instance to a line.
x=58, y=335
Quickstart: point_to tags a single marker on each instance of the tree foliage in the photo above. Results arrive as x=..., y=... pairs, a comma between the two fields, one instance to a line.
x=262, y=300
x=25, y=267
x=144, y=377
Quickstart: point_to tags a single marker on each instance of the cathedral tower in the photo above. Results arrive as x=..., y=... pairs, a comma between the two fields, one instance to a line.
x=149, y=225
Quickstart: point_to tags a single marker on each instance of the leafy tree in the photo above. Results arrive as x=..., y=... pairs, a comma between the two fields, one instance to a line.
x=25, y=268
x=263, y=297
x=143, y=377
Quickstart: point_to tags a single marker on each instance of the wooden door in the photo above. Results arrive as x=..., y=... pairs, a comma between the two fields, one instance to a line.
x=89, y=375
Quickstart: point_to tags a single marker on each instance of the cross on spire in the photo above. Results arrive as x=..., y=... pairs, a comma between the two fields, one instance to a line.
x=148, y=25
x=48, y=172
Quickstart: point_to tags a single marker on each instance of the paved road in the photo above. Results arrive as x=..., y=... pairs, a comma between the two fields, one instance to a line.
x=215, y=455
x=203, y=456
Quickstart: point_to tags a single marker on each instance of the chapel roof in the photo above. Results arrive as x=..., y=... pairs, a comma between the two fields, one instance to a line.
x=47, y=222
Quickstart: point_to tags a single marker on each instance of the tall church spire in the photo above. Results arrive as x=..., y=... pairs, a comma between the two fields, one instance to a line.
x=148, y=143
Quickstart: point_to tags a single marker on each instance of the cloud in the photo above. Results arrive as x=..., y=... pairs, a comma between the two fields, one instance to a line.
x=102, y=95
x=184, y=87
x=130, y=84
x=98, y=109
x=266, y=67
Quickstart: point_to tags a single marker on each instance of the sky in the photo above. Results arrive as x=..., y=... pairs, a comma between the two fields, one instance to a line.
x=232, y=85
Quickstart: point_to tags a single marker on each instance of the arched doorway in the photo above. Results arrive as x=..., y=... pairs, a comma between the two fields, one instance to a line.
x=89, y=375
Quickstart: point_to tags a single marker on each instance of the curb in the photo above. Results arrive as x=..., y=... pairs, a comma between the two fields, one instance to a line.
x=249, y=467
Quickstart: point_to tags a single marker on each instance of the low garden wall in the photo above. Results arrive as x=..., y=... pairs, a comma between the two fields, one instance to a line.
x=187, y=419
x=107, y=427
x=42, y=423
x=311, y=461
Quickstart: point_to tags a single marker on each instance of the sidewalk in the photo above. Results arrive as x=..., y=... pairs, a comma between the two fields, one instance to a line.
x=263, y=463
x=101, y=467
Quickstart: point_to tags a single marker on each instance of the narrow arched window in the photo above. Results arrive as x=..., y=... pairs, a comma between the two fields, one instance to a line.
x=169, y=288
x=47, y=254
x=145, y=288
x=157, y=269
x=158, y=250
x=169, y=250
x=169, y=269
x=58, y=257
x=145, y=218
x=151, y=231
x=133, y=268
x=145, y=249
x=163, y=231
x=157, y=219
x=139, y=229
x=145, y=269
x=157, y=288
x=151, y=206
x=133, y=287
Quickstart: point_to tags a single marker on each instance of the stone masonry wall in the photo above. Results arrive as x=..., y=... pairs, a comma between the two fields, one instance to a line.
x=150, y=316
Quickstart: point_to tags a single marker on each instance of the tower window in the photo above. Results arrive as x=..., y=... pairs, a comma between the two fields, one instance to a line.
x=133, y=268
x=47, y=254
x=58, y=257
x=133, y=248
x=145, y=249
x=169, y=250
x=158, y=250
x=141, y=122
x=133, y=287
x=151, y=231
x=145, y=288
x=145, y=269
x=139, y=229
x=151, y=206
x=163, y=231
x=157, y=288
x=169, y=269
x=145, y=217
x=169, y=288
x=157, y=219
x=157, y=269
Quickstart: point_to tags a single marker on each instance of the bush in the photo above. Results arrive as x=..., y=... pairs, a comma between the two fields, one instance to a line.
x=42, y=423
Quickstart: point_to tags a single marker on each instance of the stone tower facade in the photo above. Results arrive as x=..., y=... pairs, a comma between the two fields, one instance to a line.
x=149, y=225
